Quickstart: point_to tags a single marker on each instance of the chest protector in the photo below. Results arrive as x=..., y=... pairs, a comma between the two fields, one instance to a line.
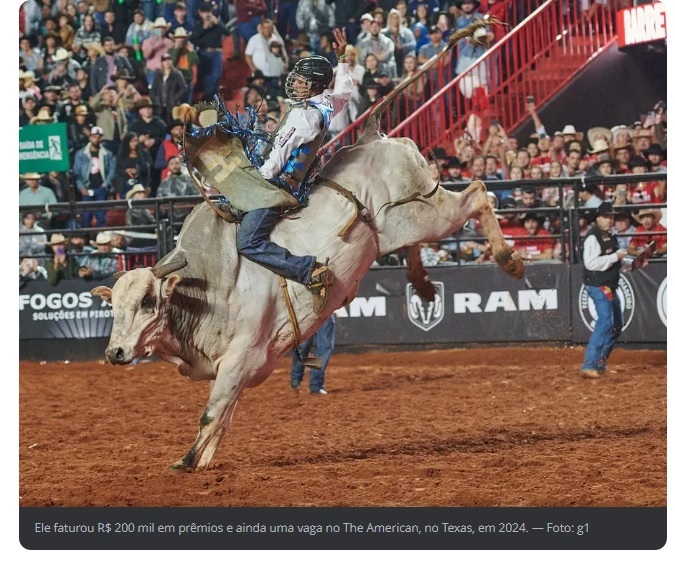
x=302, y=158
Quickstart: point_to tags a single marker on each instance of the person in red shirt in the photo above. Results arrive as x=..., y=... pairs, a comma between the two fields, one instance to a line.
x=623, y=154
x=534, y=248
x=649, y=223
x=642, y=192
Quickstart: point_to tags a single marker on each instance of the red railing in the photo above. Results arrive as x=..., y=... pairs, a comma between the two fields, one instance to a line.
x=536, y=58
x=423, y=89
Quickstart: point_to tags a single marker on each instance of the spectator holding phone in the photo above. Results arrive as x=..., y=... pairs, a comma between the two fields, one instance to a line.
x=59, y=266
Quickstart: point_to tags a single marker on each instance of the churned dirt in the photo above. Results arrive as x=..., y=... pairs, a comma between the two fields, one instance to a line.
x=465, y=427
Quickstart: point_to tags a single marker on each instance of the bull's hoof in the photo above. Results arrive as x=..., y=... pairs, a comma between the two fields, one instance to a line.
x=511, y=263
x=181, y=467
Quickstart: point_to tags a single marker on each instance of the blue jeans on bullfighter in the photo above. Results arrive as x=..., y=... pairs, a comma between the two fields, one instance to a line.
x=608, y=327
x=324, y=339
x=254, y=244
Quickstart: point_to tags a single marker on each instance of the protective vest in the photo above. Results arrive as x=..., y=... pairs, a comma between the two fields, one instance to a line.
x=302, y=158
x=608, y=244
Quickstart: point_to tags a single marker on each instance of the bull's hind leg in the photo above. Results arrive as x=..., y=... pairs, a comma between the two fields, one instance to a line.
x=215, y=420
x=481, y=210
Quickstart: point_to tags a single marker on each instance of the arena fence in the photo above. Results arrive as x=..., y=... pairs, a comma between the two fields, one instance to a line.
x=475, y=303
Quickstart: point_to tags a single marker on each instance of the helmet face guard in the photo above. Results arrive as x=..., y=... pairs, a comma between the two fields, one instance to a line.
x=310, y=74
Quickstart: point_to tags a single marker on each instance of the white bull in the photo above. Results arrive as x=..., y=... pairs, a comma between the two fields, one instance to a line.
x=220, y=316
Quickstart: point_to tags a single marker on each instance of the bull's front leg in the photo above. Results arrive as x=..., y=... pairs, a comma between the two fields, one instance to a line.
x=225, y=391
x=479, y=206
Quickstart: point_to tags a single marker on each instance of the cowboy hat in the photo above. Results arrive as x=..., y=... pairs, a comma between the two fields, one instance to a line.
x=181, y=112
x=56, y=239
x=102, y=238
x=123, y=74
x=619, y=129
x=605, y=209
x=81, y=110
x=180, y=32
x=30, y=176
x=599, y=146
x=656, y=212
x=61, y=55
x=623, y=146
x=161, y=23
x=43, y=116
x=604, y=159
x=144, y=102
x=96, y=46
x=643, y=133
x=602, y=131
x=570, y=130
x=27, y=76
x=136, y=189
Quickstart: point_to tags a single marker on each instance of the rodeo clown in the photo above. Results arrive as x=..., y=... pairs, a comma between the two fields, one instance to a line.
x=287, y=161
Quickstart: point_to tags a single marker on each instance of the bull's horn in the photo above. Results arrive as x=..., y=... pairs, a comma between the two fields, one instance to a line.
x=118, y=275
x=163, y=270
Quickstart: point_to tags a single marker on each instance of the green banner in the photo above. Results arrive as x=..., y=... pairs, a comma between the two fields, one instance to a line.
x=43, y=148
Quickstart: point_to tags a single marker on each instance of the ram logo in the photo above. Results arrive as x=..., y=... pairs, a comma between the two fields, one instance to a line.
x=423, y=314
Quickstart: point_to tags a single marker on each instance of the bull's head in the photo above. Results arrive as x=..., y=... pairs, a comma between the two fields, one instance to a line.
x=139, y=299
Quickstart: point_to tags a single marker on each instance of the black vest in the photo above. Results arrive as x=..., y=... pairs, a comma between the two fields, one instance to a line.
x=608, y=244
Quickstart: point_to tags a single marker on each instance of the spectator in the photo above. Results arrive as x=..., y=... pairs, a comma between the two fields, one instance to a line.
x=132, y=166
x=655, y=156
x=356, y=72
x=177, y=184
x=623, y=154
x=469, y=53
x=168, y=89
x=35, y=194
x=250, y=14
x=75, y=100
x=30, y=270
x=347, y=14
x=534, y=248
x=94, y=169
x=139, y=30
x=169, y=147
x=421, y=35
x=27, y=85
x=59, y=266
x=79, y=130
x=106, y=66
x=324, y=338
x=111, y=28
x=438, y=76
x=642, y=141
x=139, y=216
x=127, y=94
x=27, y=112
x=366, y=20
x=413, y=95
x=150, y=129
x=372, y=71
x=110, y=117
x=78, y=248
x=82, y=79
x=381, y=47
x=642, y=192
x=100, y=264
x=622, y=225
x=154, y=48
x=260, y=56
x=67, y=67
x=649, y=222
x=325, y=48
x=478, y=168
x=313, y=18
x=403, y=39
x=492, y=171
x=88, y=32
x=34, y=243
x=587, y=197
x=185, y=59
x=406, y=18
x=32, y=60
x=370, y=96
x=574, y=163
x=420, y=11
x=66, y=32
x=179, y=18
x=208, y=36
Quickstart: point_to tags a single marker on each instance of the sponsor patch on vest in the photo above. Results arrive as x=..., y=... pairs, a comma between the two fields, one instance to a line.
x=422, y=314
x=626, y=296
x=284, y=137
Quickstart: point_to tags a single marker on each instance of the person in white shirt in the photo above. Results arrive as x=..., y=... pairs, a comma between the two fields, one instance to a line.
x=287, y=161
x=260, y=55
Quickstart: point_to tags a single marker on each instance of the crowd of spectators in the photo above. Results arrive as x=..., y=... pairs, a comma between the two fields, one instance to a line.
x=120, y=73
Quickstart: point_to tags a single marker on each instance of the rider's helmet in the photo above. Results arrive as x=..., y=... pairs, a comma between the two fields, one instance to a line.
x=310, y=74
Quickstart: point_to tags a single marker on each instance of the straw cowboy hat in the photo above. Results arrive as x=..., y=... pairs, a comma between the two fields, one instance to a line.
x=594, y=132
x=643, y=133
x=599, y=146
x=161, y=23
x=57, y=239
x=656, y=212
x=570, y=130
x=61, y=55
x=136, y=189
x=102, y=238
x=43, y=116
x=27, y=76
x=30, y=176
x=96, y=46
x=180, y=32
x=81, y=110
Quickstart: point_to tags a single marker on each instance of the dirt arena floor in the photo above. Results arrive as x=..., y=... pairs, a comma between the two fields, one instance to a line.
x=466, y=427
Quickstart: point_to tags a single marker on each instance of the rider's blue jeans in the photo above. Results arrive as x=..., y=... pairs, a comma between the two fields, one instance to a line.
x=607, y=327
x=253, y=243
x=324, y=341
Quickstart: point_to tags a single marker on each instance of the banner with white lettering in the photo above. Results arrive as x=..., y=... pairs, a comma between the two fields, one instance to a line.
x=67, y=311
x=641, y=24
x=472, y=304
x=43, y=148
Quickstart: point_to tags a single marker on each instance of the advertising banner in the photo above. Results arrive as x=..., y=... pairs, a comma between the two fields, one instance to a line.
x=641, y=24
x=643, y=300
x=43, y=148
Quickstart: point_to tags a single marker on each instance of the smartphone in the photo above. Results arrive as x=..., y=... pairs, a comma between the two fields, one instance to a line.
x=60, y=250
x=530, y=99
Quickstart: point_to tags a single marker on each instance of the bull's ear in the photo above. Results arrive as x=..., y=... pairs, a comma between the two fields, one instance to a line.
x=104, y=292
x=170, y=285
